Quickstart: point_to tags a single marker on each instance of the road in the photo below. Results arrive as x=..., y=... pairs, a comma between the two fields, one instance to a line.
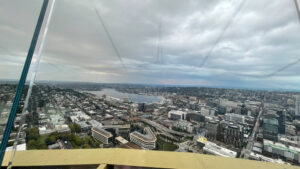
x=164, y=129
x=253, y=134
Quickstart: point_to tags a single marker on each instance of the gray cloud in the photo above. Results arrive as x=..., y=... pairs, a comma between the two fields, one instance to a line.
x=261, y=39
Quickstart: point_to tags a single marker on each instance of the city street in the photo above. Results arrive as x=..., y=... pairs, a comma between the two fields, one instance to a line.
x=252, y=137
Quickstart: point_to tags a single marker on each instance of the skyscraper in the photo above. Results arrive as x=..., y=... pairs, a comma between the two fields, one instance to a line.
x=281, y=121
x=297, y=109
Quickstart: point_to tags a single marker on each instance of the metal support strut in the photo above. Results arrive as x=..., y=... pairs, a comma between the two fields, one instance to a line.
x=22, y=81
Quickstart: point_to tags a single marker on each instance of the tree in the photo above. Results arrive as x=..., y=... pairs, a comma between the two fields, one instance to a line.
x=56, y=135
x=72, y=128
x=77, y=128
x=50, y=140
x=78, y=141
x=36, y=144
x=41, y=103
x=41, y=145
x=32, y=134
x=31, y=144
x=86, y=146
x=10, y=143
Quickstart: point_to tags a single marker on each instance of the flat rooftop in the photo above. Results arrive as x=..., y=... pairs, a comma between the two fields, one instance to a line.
x=102, y=132
x=148, y=137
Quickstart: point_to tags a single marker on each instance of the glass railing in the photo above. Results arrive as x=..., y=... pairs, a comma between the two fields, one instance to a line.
x=17, y=27
x=217, y=77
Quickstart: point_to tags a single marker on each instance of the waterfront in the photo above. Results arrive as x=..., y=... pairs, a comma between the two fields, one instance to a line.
x=138, y=98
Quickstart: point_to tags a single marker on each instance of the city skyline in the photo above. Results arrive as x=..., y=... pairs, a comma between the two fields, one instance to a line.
x=249, y=54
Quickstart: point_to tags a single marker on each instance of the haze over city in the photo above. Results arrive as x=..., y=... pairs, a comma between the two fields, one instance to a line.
x=248, y=45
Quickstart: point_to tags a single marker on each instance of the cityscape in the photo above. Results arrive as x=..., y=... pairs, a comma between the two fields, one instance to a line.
x=250, y=124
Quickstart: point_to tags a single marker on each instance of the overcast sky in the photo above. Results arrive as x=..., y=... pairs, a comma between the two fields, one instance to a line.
x=263, y=37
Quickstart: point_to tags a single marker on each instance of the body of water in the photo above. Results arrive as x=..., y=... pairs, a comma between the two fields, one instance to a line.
x=139, y=98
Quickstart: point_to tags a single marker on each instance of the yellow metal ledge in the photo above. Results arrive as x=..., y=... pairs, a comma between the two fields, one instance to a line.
x=128, y=157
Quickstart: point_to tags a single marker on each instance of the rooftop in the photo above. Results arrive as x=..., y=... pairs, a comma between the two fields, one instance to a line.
x=121, y=140
x=102, y=131
x=281, y=146
x=218, y=150
x=271, y=121
x=178, y=112
x=148, y=137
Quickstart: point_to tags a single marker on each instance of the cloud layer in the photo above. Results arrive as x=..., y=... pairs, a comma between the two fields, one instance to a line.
x=261, y=39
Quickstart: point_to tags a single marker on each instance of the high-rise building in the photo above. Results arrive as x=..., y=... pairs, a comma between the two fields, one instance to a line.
x=270, y=128
x=212, y=129
x=297, y=108
x=281, y=121
x=234, y=135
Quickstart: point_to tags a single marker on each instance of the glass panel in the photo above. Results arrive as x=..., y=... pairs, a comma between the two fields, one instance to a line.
x=217, y=77
x=17, y=23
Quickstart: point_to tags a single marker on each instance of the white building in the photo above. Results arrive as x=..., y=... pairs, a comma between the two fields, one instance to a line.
x=57, y=119
x=286, y=141
x=62, y=128
x=289, y=152
x=228, y=103
x=146, y=141
x=121, y=140
x=260, y=157
x=212, y=148
x=20, y=147
x=44, y=130
x=177, y=115
x=102, y=135
x=183, y=125
x=235, y=118
x=208, y=111
x=95, y=123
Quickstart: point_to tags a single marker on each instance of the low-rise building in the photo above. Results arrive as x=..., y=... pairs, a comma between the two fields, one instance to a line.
x=95, y=123
x=44, y=130
x=146, y=140
x=84, y=126
x=290, y=130
x=289, y=153
x=259, y=157
x=212, y=148
x=102, y=135
x=290, y=141
x=184, y=126
x=121, y=140
x=195, y=117
x=177, y=115
x=235, y=118
x=62, y=128
x=208, y=111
